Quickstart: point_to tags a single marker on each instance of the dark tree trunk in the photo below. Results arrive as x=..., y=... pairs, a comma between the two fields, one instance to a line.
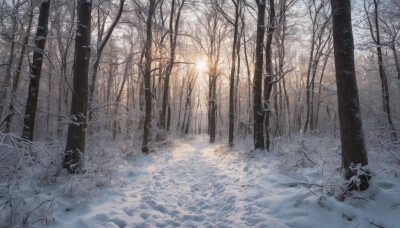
x=268, y=79
x=75, y=146
x=232, y=75
x=212, y=106
x=257, y=83
x=351, y=133
x=147, y=78
x=36, y=70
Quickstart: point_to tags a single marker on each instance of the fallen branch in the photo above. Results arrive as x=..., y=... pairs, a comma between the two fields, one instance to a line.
x=305, y=154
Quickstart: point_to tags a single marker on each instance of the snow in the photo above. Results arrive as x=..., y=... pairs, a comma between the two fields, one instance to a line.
x=194, y=184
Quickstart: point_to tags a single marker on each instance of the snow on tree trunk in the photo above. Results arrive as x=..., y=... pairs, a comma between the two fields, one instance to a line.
x=75, y=146
x=352, y=138
x=35, y=72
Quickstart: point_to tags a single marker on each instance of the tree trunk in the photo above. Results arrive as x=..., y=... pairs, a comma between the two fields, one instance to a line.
x=352, y=136
x=396, y=60
x=147, y=77
x=248, y=77
x=6, y=84
x=257, y=83
x=382, y=74
x=75, y=146
x=119, y=95
x=232, y=75
x=101, y=45
x=174, y=31
x=320, y=83
x=212, y=107
x=384, y=82
x=36, y=70
x=268, y=78
x=180, y=103
x=17, y=73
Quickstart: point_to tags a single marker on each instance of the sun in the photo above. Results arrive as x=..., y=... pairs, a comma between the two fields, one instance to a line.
x=201, y=66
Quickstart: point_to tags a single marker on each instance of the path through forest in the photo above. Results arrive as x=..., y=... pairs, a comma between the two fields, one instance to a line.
x=194, y=184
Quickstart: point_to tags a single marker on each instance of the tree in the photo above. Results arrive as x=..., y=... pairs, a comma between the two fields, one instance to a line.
x=268, y=80
x=64, y=31
x=382, y=74
x=101, y=43
x=235, y=53
x=36, y=70
x=75, y=146
x=17, y=73
x=147, y=77
x=215, y=32
x=354, y=153
x=232, y=75
x=257, y=83
x=173, y=35
x=320, y=36
x=11, y=38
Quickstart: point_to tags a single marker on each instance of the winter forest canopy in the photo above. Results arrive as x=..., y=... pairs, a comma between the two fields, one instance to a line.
x=92, y=89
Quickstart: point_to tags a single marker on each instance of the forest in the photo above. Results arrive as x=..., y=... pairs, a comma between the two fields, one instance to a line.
x=189, y=113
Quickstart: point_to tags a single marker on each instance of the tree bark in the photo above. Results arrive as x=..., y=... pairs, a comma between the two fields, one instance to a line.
x=147, y=77
x=258, y=74
x=232, y=75
x=351, y=133
x=268, y=79
x=75, y=146
x=35, y=72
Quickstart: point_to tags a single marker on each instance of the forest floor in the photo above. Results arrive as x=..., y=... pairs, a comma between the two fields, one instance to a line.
x=191, y=183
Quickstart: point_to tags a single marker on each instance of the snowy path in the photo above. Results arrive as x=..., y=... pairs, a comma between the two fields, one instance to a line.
x=188, y=185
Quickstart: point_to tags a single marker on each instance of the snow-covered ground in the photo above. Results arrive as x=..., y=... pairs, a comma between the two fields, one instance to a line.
x=194, y=184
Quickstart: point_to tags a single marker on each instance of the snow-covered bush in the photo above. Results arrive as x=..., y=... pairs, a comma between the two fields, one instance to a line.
x=33, y=183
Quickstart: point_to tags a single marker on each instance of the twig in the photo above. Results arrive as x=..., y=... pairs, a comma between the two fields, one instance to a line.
x=5, y=118
x=304, y=152
x=372, y=223
x=395, y=205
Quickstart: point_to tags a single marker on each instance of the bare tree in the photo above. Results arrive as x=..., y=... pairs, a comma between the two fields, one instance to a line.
x=375, y=35
x=320, y=36
x=257, y=83
x=351, y=133
x=11, y=38
x=173, y=35
x=17, y=73
x=36, y=70
x=101, y=43
x=147, y=76
x=215, y=33
x=268, y=80
x=75, y=146
x=236, y=39
x=64, y=40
